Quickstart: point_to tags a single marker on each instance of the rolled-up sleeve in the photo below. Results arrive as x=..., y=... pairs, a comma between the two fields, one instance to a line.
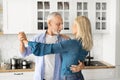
x=27, y=52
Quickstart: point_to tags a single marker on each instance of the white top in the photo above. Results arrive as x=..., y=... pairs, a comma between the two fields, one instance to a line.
x=49, y=59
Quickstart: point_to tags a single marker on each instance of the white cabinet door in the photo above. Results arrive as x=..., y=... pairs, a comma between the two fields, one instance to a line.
x=69, y=9
x=17, y=16
x=98, y=74
x=1, y=17
x=23, y=75
x=6, y=76
x=101, y=19
x=44, y=7
x=16, y=76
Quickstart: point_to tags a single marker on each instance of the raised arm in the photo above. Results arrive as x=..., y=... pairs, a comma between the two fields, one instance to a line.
x=40, y=49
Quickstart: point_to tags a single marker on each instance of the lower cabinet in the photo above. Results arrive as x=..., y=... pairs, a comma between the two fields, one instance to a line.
x=16, y=76
x=99, y=74
x=89, y=74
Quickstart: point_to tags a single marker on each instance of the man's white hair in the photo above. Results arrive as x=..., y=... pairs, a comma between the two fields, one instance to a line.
x=53, y=14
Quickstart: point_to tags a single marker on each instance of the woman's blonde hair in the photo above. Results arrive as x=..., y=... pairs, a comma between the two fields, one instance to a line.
x=84, y=32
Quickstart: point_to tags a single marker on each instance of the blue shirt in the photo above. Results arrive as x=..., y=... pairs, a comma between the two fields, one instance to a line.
x=39, y=60
x=71, y=51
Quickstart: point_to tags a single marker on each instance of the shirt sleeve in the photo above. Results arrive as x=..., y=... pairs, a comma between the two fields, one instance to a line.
x=26, y=52
x=40, y=49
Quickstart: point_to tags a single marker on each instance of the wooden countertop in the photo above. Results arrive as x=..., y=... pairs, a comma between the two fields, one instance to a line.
x=16, y=70
x=32, y=70
x=100, y=67
x=3, y=70
x=1, y=33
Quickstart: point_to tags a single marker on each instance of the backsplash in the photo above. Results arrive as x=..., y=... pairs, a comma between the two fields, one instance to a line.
x=9, y=47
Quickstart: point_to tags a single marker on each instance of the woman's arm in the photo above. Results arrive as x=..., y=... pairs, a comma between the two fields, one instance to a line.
x=21, y=37
x=40, y=49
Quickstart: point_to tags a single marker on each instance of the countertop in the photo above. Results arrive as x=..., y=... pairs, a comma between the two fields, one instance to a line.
x=32, y=69
x=107, y=65
x=16, y=70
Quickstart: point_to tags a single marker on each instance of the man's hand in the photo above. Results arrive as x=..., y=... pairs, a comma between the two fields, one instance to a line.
x=22, y=36
x=77, y=68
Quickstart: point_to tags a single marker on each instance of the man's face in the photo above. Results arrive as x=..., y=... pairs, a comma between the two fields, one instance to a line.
x=56, y=25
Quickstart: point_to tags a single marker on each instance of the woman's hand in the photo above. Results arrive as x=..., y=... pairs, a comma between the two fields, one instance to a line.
x=21, y=37
x=77, y=68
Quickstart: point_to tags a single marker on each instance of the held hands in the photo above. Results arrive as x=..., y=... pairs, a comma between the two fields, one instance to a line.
x=22, y=37
x=77, y=68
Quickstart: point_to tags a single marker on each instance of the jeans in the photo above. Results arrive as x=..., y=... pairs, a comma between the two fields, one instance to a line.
x=73, y=77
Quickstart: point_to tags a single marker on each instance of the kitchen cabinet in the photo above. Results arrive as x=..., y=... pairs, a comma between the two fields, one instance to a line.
x=67, y=8
x=16, y=76
x=1, y=17
x=44, y=7
x=99, y=74
x=101, y=16
x=31, y=15
x=95, y=10
x=17, y=16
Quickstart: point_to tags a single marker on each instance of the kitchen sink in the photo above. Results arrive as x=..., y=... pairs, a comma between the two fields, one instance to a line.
x=94, y=63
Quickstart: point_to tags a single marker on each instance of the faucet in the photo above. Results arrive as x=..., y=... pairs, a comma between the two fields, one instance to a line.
x=88, y=62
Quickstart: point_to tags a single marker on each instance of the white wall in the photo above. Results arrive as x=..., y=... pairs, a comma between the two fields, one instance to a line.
x=118, y=34
x=9, y=47
x=109, y=38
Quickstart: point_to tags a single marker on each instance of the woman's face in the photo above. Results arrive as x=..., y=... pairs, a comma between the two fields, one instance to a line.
x=74, y=29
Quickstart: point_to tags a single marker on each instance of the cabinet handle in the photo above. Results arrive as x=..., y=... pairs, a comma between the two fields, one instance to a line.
x=18, y=73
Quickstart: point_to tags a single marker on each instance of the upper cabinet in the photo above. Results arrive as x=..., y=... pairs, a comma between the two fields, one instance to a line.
x=1, y=17
x=101, y=16
x=17, y=16
x=44, y=7
x=30, y=16
x=67, y=8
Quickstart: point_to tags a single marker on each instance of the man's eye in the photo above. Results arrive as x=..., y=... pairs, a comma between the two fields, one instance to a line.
x=58, y=24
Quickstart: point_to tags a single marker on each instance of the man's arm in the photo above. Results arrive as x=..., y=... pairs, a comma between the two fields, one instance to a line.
x=77, y=68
